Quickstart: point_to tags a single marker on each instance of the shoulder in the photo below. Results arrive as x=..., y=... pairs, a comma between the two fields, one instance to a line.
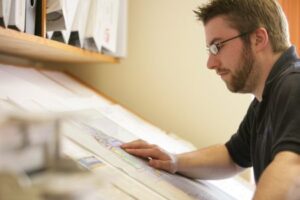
x=289, y=79
x=286, y=89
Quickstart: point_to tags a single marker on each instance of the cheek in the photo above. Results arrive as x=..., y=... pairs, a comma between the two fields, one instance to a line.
x=235, y=61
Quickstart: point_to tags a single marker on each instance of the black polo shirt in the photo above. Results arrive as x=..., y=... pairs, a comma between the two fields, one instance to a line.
x=272, y=125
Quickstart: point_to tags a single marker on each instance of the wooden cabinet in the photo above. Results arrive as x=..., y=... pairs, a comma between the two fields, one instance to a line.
x=41, y=49
x=38, y=48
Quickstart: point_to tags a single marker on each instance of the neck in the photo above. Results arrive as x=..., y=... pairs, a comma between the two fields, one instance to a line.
x=264, y=67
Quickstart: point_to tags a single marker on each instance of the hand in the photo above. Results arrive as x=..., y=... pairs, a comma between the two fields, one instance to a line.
x=158, y=158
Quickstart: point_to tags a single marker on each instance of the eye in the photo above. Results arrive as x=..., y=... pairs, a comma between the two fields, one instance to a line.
x=214, y=49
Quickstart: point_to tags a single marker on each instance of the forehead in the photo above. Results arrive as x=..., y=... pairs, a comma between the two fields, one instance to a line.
x=218, y=28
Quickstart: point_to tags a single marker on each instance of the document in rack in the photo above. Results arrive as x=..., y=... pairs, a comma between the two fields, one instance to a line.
x=17, y=15
x=121, y=50
x=55, y=15
x=4, y=12
x=110, y=11
x=61, y=36
x=30, y=16
x=93, y=39
x=79, y=23
x=121, y=35
x=60, y=16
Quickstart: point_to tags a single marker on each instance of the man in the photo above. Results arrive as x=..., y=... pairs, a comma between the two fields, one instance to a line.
x=249, y=49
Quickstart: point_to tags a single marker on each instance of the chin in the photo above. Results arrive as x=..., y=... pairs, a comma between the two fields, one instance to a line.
x=236, y=89
x=233, y=90
x=230, y=87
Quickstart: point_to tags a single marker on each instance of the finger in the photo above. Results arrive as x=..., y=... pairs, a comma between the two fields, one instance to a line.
x=144, y=153
x=164, y=165
x=153, y=152
x=136, y=144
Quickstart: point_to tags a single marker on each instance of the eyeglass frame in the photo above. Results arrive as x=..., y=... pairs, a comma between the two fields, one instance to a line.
x=214, y=48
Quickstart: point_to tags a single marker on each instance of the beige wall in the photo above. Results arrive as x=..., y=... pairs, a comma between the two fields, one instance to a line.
x=164, y=79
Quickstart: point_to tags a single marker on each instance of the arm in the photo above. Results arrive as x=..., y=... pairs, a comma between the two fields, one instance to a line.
x=213, y=162
x=281, y=179
x=210, y=163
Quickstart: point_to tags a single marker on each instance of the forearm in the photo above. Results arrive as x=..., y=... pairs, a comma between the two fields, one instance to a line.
x=281, y=179
x=209, y=163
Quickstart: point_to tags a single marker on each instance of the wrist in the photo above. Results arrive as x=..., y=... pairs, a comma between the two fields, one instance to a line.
x=174, y=163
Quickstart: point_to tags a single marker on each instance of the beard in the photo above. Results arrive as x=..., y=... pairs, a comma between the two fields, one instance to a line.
x=242, y=78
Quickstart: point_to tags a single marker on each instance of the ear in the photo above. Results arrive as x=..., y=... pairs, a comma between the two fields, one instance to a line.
x=260, y=39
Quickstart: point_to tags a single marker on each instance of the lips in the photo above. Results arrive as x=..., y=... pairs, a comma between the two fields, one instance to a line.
x=222, y=72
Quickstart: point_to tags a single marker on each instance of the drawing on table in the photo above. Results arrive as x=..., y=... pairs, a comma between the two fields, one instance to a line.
x=90, y=162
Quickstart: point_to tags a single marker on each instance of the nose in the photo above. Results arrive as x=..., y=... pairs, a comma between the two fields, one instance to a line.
x=213, y=62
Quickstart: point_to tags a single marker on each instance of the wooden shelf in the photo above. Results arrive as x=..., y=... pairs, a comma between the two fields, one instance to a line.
x=34, y=47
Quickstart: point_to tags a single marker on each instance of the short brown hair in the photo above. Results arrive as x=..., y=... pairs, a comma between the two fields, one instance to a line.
x=248, y=15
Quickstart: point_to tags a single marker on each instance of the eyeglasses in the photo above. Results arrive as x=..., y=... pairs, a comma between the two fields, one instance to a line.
x=215, y=47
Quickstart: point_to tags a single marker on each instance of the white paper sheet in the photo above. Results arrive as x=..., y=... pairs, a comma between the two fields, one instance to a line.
x=235, y=187
x=86, y=96
x=37, y=79
x=143, y=130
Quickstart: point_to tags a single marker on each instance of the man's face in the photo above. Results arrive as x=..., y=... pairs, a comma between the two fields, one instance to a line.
x=241, y=79
x=234, y=60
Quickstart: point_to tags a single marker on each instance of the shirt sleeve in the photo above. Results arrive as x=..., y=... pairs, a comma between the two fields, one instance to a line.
x=286, y=116
x=239, y=144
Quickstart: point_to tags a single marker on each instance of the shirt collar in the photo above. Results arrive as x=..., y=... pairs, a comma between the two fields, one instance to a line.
x=280, y=65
